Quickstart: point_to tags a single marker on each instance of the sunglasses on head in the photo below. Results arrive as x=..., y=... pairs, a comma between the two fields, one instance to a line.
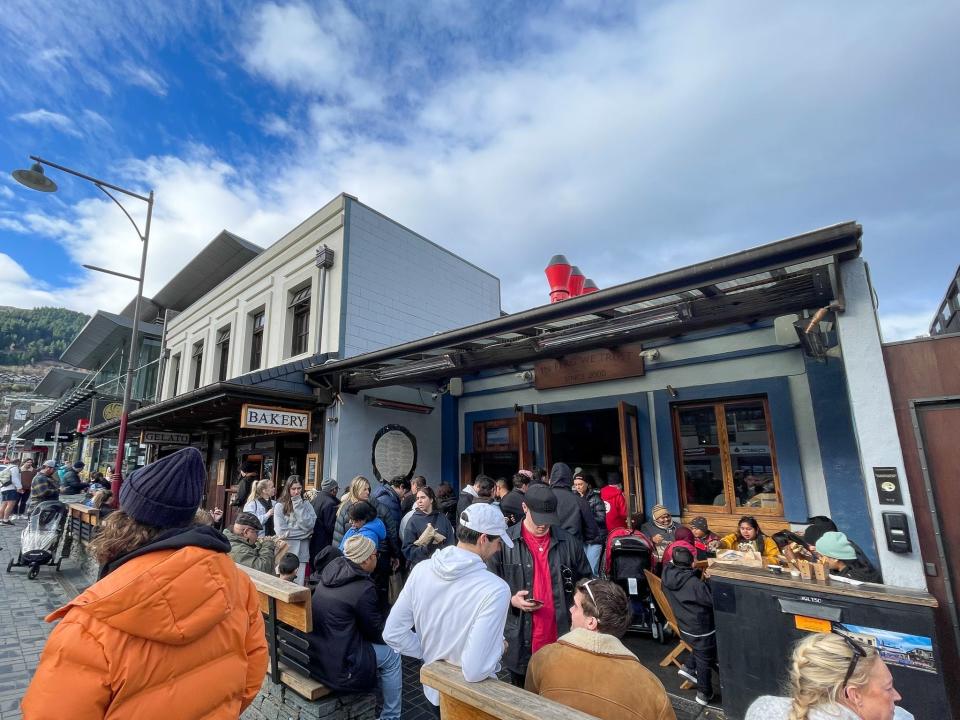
x=586, y=586
x=858, y=652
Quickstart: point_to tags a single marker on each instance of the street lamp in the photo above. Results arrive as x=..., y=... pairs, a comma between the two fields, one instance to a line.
x=35, y=179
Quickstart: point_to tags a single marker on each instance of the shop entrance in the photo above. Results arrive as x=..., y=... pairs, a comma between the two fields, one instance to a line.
x=604, y=443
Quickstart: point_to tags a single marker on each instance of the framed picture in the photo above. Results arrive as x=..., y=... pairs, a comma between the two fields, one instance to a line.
x=313, y=467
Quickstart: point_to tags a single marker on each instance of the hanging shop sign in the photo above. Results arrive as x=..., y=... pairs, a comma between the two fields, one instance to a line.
x=83, y=424
x=589, y=367
x=62, y=437
x=263, y=417
x=148, y=437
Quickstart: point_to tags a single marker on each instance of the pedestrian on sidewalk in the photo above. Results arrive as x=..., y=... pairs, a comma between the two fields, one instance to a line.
x=10, y=491
x=27, y=472
x=171, y=629
x=589, y=669
x=451, y=608
x=45, y=485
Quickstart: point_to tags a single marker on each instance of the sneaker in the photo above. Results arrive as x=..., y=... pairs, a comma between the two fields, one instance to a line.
x=686, y=674
x=702, y=699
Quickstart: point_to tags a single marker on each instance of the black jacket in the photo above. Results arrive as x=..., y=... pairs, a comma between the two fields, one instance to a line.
x=346, y=623
x=464, y=500
x=510, y=506
x=515, y=565
x=243, y=489
x=415, y=526
x=386, y=497
x=860, y=569
x=406, y=505
x=71, y=484
x=576, y=517
x=690, y=598
x=448, y=506
x=325, y=506
x=599, y=511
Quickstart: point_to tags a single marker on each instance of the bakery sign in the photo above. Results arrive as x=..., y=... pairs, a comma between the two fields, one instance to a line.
x=263, y=417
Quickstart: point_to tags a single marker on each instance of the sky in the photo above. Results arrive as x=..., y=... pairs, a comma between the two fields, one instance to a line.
x=632, y=137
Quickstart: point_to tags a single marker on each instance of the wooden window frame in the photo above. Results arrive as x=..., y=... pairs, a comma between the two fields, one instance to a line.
x=719, y=406
x=256, y=339
x=300, y=331
x=196, y=359
x=223, y=353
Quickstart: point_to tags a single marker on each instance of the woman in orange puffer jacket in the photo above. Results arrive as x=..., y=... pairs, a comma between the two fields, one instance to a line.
x=171, y=630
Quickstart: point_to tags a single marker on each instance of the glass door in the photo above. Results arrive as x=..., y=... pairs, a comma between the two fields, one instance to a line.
x=630, y=456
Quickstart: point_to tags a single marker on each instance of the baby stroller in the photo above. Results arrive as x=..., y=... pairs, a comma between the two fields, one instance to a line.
x=40, y=539
x=629, y=557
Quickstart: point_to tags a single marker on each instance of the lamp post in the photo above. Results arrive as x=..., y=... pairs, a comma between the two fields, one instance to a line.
x=35, y=179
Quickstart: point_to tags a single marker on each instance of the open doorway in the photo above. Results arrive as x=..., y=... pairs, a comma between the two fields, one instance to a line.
x=589, y=440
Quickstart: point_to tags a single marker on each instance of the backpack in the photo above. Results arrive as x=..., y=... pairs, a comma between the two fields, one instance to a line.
x=6, y=477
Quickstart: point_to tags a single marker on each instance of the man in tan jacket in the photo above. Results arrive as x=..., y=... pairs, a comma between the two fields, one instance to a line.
x=589, y=669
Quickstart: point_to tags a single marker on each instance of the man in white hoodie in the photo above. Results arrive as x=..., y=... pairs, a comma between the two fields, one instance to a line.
x=456, y=607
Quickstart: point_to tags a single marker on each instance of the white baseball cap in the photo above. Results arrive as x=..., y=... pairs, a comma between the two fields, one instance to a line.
x=485, y=518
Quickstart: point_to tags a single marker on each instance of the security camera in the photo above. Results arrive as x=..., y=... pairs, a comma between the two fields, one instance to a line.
x=650, y=355
x=525, y=376
x=434, y=395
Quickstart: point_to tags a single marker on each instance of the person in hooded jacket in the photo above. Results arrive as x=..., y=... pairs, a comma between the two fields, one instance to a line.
x=576, y=516
x=347, y=652
x=171, y=625
x=389, y=495
x=451, y=608
x=585, y=486
x=425, y=514
x=692, y=603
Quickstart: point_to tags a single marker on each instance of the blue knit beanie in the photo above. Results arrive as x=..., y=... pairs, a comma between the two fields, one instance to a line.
x=165, y=493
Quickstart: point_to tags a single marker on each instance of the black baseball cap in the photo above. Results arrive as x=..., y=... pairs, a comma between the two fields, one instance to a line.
x=541, y=501
x=250, y=520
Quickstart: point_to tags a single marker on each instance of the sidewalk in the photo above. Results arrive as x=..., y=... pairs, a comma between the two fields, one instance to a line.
x=22, y=629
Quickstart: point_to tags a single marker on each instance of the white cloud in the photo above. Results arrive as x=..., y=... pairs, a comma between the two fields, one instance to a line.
x=18, y=289
x=6, y=193
x=46, y=117
x=320, y=52
x=276, y=126
x=905, y=326
x=13, y=224
x=145, y=78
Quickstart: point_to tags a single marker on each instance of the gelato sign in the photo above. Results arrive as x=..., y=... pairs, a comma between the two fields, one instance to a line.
x=262, y=417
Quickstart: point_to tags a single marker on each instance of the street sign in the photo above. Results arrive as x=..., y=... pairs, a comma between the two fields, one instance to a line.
x=62, y=437
x=150, y=437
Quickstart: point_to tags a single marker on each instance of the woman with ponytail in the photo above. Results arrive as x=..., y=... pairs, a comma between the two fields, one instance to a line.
x=833, y=677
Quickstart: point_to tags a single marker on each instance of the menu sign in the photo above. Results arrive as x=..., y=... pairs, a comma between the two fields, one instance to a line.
x=589, y=367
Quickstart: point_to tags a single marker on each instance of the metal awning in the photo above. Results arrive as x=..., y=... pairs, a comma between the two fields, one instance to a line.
x=58, y=381
x=790, y=275
x=68, y=410
x=210, y=408
x=220, y=259
x=101, y=336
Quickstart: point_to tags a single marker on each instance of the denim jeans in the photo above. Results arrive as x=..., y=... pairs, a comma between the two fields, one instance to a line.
x=390, y=680
x=594, y=553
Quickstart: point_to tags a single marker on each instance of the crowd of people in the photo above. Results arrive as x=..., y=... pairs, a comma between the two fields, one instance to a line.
x=507, y=576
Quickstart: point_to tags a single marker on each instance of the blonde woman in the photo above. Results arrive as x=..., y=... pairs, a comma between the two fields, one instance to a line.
x=833, y=677
x=359, y=490
x=261, y=503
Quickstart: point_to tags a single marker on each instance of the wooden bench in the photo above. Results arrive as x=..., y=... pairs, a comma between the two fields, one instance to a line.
x=83, y=522
x=286, y=605
x=490, y=699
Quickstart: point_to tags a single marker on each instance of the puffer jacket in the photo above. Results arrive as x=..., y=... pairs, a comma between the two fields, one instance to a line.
x=599, y=515
x=576, y=517
x=690, y=598
x=568, y=564
x=762, y=544
x=385, y=497
x=573, y=669
x=347, y=622
x=343, y=524
x=172, y=629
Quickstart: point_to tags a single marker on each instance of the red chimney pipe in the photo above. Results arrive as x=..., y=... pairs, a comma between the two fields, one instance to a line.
x=575, y=284
x=589, y=286
x=558, y=275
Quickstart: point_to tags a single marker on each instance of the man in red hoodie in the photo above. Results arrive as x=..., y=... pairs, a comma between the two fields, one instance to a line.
x=615, y=504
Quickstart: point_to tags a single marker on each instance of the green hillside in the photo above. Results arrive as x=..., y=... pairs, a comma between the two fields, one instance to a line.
x=29, y=336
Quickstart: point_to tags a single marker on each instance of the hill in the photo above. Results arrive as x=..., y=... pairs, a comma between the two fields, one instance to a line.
x=30, y=336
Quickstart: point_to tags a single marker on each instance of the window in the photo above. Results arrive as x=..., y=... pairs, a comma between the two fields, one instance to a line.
x=300, y=308
x=256, y=341
x=175, y=373
x=197, y=365
x=223, y=353
x=726, y=457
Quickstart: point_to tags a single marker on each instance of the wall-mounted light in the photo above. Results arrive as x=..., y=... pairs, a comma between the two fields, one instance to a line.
x=418, y=367
x=397, y=405
x=651, y=355
x=673, y=392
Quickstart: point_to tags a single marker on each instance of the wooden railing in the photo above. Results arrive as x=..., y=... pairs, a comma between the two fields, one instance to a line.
x=84, y=522
x=286, y=607
x=489, y=699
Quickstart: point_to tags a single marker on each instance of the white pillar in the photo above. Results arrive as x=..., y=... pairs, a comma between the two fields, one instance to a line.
x=873, y=419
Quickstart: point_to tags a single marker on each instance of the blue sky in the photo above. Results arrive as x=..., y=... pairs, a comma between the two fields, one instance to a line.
x=634, y=139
